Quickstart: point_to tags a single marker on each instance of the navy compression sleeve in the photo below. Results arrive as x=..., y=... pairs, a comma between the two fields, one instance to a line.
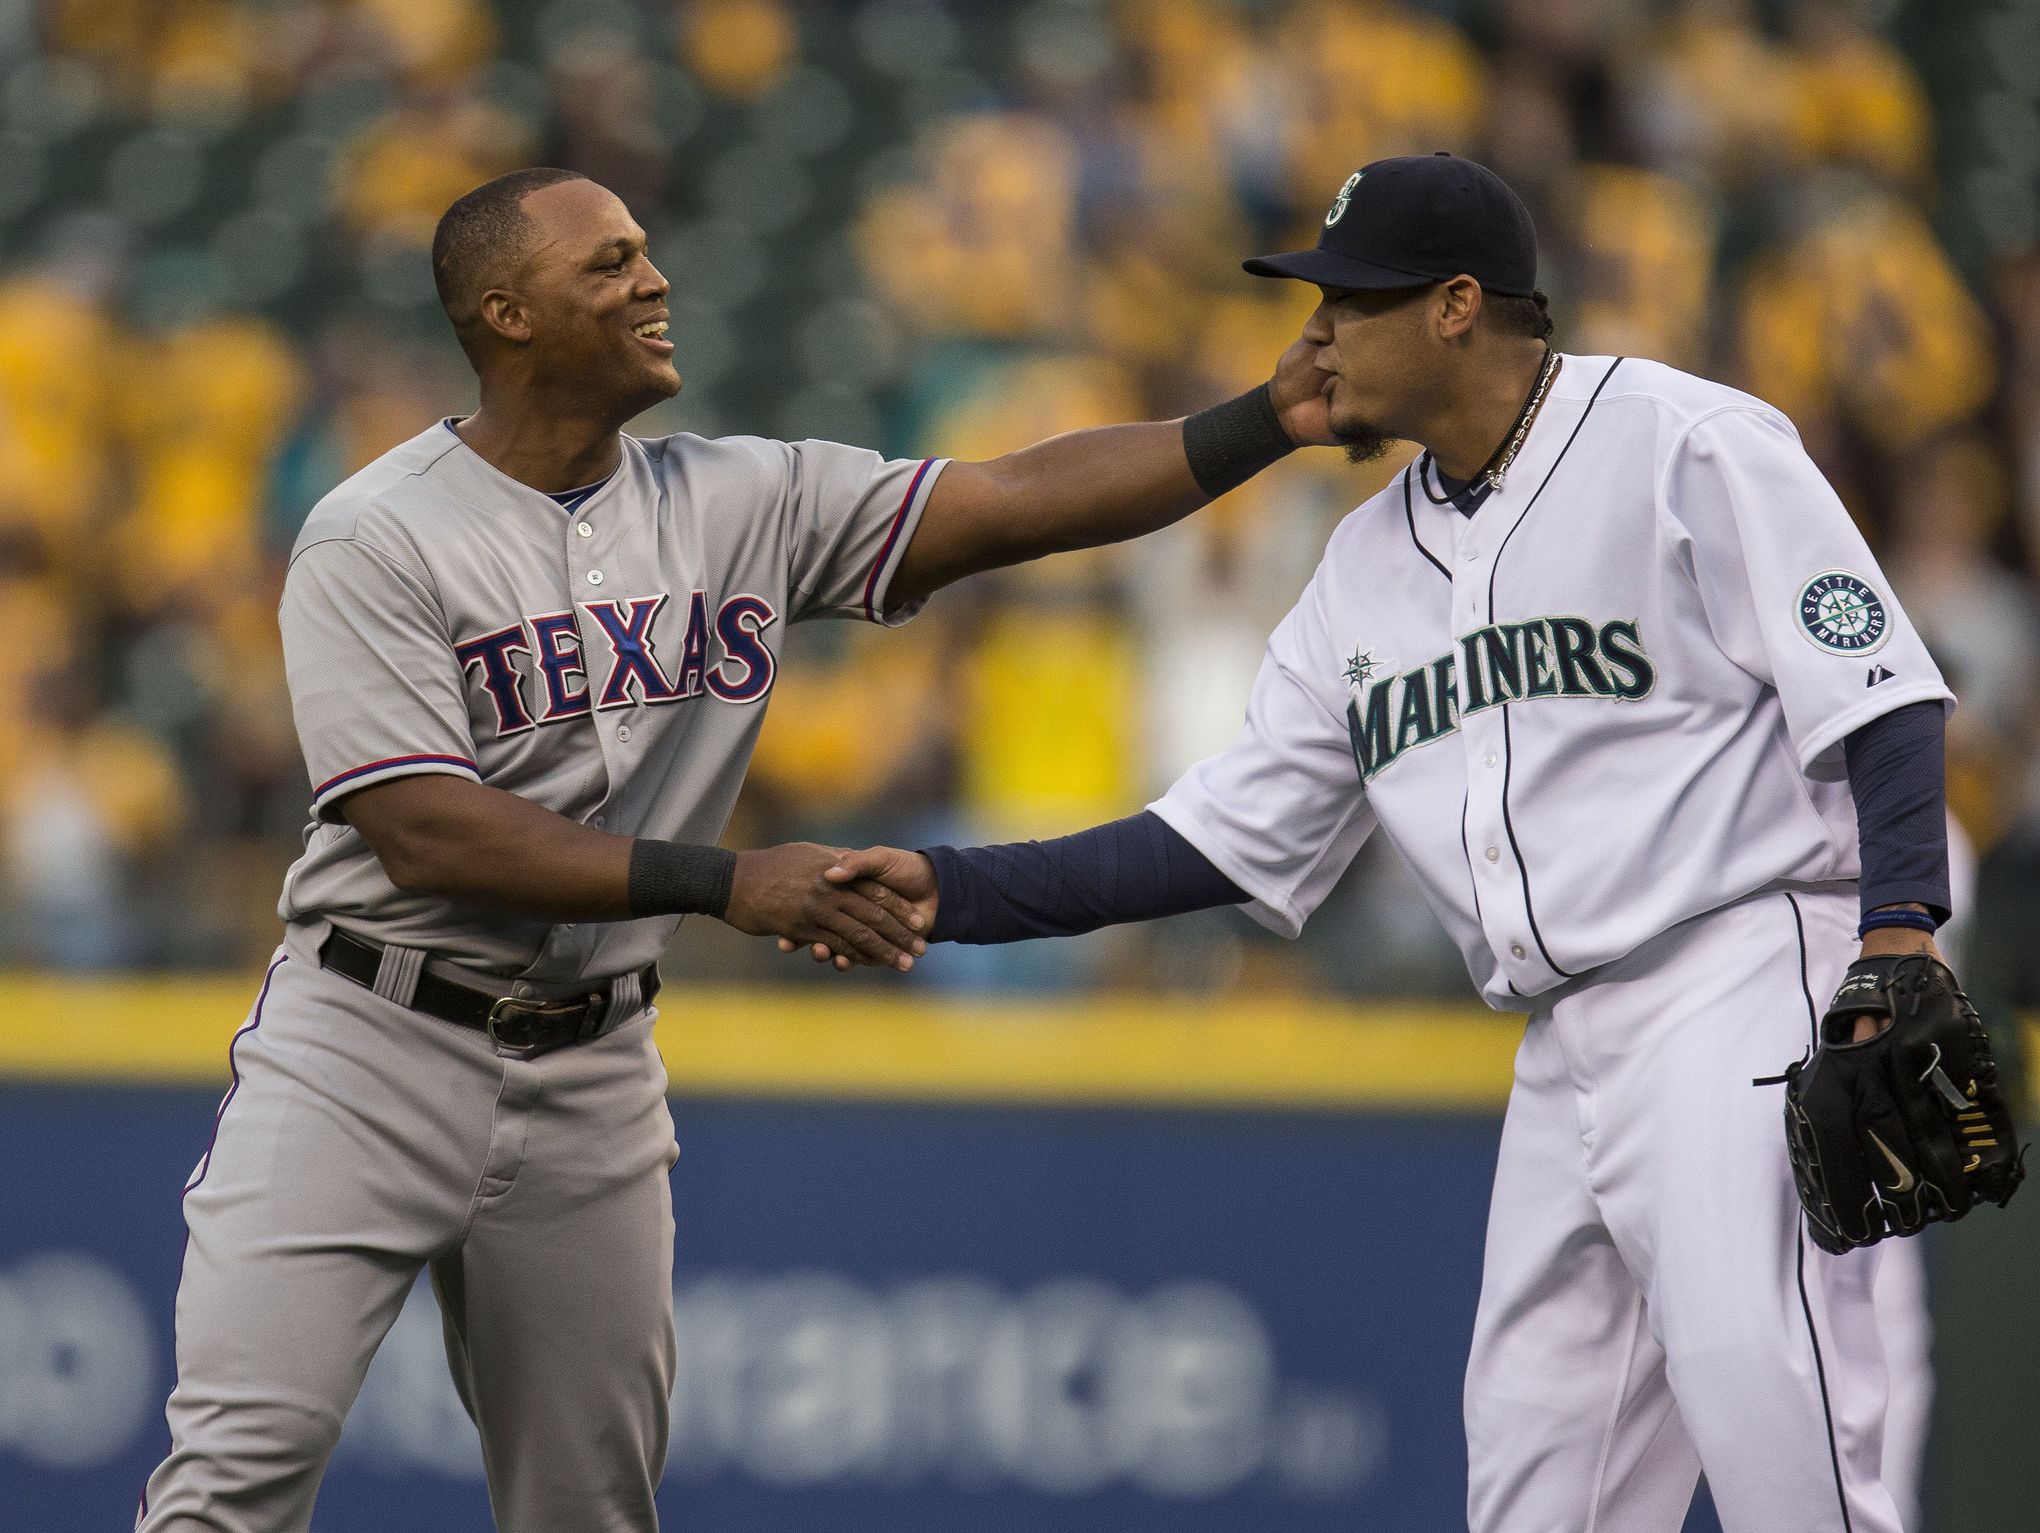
x=1896, y=777
x=1134, y=869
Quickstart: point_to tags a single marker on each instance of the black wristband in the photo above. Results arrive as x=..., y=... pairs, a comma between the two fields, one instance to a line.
x=675, y=878
x=1230, y=443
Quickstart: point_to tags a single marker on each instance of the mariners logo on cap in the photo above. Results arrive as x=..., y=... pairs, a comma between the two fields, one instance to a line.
x=1345, y=196
x=1843, y=613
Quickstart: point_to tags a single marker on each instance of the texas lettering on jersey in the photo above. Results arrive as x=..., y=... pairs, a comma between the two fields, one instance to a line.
x=555, y=682
x=1502, y=663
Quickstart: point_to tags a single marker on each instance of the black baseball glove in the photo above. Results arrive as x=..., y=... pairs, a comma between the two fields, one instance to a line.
x=1892, y=1133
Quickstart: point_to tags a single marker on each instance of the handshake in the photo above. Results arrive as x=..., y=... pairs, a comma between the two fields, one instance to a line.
x=875, y=906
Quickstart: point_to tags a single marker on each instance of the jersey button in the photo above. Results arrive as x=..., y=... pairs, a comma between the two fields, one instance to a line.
x=1515, y=950
x=623, y=733
x=1494, y=854
x=585, y=530
x=600, y=821
x=1489, y=759
x=594, y=577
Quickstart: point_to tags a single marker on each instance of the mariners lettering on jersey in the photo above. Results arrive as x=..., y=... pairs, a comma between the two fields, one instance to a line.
x=1396, y=712
x=554, y=676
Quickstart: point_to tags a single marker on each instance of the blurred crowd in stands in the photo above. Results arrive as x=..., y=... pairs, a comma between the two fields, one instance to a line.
x=943, y=228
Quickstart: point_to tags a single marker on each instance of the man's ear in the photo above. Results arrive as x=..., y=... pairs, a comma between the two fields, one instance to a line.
x=504, y=313
x=1458, y=306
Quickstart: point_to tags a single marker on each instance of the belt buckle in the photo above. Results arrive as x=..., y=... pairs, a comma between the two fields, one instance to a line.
x=521, y=1025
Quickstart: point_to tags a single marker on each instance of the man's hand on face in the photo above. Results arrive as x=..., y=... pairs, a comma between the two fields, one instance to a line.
x=782, y=892
x=900, y=884
x=1298, y=393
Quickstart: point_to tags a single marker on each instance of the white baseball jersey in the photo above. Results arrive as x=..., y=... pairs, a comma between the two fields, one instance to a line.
x=1610, y=700
x=611, y=663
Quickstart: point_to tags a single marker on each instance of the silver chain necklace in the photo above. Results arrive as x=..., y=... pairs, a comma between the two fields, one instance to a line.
x=1513, y=444
x=1498, y=463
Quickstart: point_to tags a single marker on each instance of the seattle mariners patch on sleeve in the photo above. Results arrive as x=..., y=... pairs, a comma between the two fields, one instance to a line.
x=1843, y=613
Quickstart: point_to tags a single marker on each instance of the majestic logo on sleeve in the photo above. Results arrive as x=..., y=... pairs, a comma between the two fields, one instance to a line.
x=555, y=682
x=1843, y=613
x=1503, y=663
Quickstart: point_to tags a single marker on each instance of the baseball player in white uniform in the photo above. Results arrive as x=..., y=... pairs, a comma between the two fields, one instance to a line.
x=1614, y=671
x=528, y=657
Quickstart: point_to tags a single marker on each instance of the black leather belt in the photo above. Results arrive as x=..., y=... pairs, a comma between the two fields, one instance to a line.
x=512, y=1022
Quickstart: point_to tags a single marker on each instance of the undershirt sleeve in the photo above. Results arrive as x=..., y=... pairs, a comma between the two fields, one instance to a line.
x=1136, y=869
x=1896, y=776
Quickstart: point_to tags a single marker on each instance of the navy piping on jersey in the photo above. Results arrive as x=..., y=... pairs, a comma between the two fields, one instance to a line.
x=1805, y=988
x=1508, y=821
x=892, y=535
x=1799, y=1234
x=388, y=761
x=1410, y=516
x=233, y=1070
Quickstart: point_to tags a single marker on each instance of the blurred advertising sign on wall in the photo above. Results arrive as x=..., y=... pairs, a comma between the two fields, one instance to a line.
x=891, y=1317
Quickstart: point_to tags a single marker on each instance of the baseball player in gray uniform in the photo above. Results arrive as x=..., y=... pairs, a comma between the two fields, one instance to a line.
x=529, y=657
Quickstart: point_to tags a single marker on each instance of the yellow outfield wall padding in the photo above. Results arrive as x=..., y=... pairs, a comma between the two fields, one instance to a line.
x=1295, y=1052
x=807, y=1043
x=1124, y=1050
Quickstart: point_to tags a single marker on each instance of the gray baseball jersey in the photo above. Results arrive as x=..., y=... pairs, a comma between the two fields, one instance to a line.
x=611, y=663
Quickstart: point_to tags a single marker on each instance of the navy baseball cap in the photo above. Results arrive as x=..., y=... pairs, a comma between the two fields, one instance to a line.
x=1415, y=220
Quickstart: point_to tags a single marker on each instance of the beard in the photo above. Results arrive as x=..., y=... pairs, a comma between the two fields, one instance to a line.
x=1364, y=443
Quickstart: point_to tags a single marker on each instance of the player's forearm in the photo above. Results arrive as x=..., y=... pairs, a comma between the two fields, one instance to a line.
x=1079, y=490
x=459, y=840
x=1088, y=488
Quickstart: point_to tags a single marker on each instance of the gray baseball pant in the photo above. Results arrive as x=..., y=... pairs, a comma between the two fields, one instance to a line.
x=362, y=1141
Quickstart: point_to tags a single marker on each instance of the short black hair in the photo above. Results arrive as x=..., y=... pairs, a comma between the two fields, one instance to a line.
x=1512, y=314
x=479, y=240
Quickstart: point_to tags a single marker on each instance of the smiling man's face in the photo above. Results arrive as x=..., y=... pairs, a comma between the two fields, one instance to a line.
x=595, y=302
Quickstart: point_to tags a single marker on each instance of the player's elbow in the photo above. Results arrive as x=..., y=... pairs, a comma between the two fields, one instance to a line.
x=412, y=870
x=413, y=863
x=407, y=826
x=980, y=516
